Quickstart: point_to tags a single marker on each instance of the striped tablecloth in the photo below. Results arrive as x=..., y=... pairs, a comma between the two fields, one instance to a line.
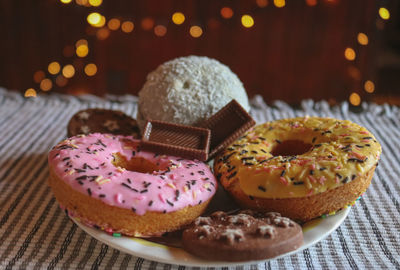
x=36, y=234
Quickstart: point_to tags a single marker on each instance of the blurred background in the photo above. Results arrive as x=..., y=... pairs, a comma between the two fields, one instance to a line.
x=289, y=50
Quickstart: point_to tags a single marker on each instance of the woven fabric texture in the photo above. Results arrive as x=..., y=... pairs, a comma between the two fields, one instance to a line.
x=36, y=234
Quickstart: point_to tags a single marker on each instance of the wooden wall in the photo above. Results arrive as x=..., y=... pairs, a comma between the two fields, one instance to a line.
x=290, y=53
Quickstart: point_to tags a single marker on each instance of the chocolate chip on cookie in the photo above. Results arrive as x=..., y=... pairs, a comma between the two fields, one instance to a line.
x=102, y=121
x=244, y=236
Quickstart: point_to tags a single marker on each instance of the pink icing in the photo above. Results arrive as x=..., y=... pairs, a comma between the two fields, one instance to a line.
x=84, y=163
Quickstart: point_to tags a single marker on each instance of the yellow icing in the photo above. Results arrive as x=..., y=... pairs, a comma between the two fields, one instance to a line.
x=340, y=151
x=148, y=243
x=311, y=224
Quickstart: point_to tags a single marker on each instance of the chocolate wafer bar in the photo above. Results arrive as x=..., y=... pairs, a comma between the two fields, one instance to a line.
x=226, y=126
x=178, y=140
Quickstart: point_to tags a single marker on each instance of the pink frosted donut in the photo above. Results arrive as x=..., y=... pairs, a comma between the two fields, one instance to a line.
x=108, y=182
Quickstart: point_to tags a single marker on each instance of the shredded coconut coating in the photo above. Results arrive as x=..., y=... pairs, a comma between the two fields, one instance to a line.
x=188, y=90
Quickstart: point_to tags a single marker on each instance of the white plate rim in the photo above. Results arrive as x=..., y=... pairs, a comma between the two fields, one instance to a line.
x=177, y=256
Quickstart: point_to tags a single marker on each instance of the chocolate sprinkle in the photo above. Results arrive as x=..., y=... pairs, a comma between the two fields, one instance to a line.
x=225, y=158
x=231, y=175
x=131, y=188
x=355, y=160
x=231, y=168
x=345, y=180
x=263, y=189
x=298, y=183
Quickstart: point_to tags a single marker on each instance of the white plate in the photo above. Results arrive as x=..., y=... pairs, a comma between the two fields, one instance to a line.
x=313, y=232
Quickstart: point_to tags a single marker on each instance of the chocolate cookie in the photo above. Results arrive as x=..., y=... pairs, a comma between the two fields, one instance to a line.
x=102, y=121
x=245, y=236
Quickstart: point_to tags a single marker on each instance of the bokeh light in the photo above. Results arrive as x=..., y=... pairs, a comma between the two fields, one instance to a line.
x=195, y=31
x=82, y=2
x=311, y=3
x=54, y=68
x=46, y=84
x=38, y=76
x=30, y=92
x=247, y=21
x=65, y=1
x=355, y=99
x=178, y=18
x=226, y=12
x=160, y=30
x=147, y=23
x=384, y=13
x=82, y=50
x=349, y=54
x=127, y=26
x=262, y=3
x=354, y=73
x=61, y=81
x=279, y=3
x=362, y=38
x=103, y=33
x=94, y=18
x=114, y=24
x=101, y=23
x=90, y=69
x=81, y=42
x=95, y=3
x=369, y=86
x=68, y=71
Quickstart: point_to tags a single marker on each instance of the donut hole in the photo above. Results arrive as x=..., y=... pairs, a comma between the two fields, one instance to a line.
x=135, y=164
x=291, y=148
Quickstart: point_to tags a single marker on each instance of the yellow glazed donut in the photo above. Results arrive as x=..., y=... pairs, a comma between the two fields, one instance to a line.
x=303, y=167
